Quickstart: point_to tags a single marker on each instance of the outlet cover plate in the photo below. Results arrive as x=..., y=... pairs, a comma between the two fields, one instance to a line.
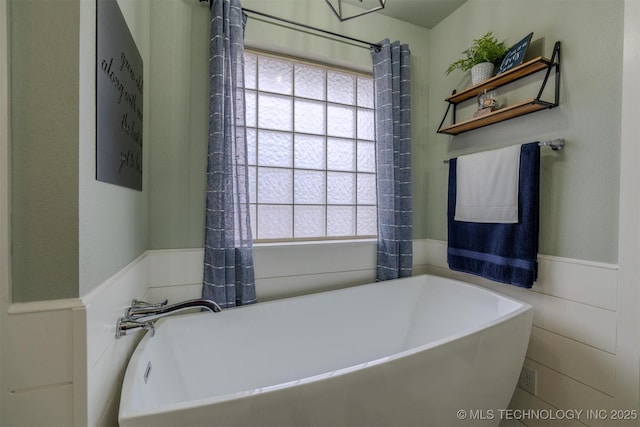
x=528, y=380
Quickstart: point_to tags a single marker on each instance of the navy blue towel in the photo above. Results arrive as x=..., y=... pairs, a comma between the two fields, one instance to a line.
x=504, y=253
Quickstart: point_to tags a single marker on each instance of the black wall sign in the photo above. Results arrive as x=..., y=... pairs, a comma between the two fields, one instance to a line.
x=515, y=55
x=119, y=100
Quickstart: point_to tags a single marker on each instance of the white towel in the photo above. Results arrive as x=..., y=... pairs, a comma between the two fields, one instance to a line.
x=487, y=186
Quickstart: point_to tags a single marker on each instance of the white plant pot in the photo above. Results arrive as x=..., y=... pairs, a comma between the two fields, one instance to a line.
x=481, y=72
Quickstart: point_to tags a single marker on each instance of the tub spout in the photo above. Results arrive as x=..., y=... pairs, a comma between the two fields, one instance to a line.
x=143, y=315
x=124, y=326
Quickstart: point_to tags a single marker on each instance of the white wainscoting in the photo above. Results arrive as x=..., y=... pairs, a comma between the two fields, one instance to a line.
x=281, y=270
x=42, y=360
x=573, y=341
x=76, y=381
x=107, y=356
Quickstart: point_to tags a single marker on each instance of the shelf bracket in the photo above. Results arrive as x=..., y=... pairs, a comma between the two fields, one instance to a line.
x=447, y=112
x=555, y=63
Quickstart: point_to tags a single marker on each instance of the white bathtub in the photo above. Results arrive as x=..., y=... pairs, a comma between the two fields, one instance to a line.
x=408, y=352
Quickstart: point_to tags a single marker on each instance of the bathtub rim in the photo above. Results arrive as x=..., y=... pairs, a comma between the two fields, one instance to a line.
x=128, y=412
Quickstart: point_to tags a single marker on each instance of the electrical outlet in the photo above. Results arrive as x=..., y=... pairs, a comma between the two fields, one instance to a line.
x=528, y=379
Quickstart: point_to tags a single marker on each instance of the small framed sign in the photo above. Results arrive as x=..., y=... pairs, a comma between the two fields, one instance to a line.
x=515, y=55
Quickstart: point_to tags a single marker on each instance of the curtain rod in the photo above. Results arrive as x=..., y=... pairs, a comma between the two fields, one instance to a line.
x=309, y=27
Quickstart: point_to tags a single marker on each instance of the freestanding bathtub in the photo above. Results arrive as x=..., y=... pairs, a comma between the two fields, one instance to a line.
x=409, y=352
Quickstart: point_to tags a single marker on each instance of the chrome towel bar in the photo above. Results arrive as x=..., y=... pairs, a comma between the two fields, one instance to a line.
x=555, y=144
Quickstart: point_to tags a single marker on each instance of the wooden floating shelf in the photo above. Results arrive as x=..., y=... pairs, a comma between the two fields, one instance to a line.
x=531, y=105
x=516, y=73
x=506, y=113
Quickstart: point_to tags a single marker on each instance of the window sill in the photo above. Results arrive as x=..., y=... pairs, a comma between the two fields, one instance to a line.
x=292, y=243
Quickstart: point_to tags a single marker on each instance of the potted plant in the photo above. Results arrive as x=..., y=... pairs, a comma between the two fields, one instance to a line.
x=481, y=58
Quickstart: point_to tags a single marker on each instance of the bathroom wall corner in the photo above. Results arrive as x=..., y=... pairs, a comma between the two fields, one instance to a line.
x=106, y=356
x=628, y=338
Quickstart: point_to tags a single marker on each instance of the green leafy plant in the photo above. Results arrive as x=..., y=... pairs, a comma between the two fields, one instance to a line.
x=485, y=49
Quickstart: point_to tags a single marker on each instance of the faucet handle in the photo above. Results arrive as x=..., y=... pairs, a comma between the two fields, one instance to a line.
x=136, y=303
x=142, y=307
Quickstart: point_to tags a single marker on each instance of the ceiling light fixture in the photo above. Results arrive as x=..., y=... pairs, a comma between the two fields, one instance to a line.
x=336, y=7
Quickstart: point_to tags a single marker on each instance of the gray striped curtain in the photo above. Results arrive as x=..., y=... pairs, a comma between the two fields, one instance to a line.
x=228, y=254
x=393, y=156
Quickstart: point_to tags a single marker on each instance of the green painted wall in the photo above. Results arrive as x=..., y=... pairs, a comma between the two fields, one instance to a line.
x=69, y=231
x=579, y=186
x=44, y=134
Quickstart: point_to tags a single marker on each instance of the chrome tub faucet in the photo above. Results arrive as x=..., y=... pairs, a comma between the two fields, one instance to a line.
x=142, y=315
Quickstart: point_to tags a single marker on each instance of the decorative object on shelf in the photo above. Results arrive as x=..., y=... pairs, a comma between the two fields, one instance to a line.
x=487, y=49
x=515, y=55
x=487, y=102
x=336, y=8
x=481, y=72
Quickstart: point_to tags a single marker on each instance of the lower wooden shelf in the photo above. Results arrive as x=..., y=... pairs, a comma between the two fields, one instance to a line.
x=506, y=113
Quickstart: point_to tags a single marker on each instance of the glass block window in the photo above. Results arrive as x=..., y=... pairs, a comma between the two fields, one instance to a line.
x=310, y=132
